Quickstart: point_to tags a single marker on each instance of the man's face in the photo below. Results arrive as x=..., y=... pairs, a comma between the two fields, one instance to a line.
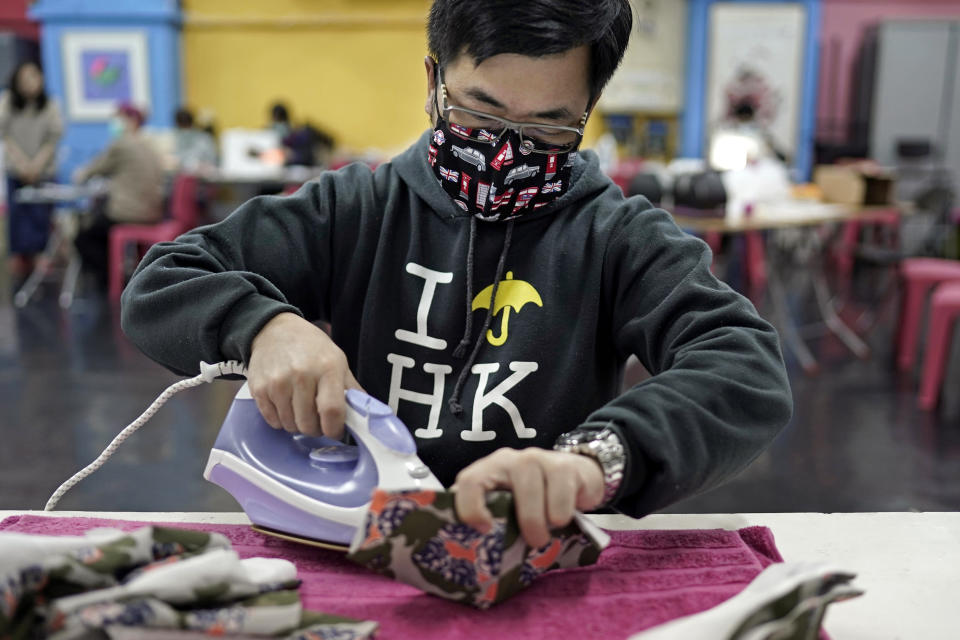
x=549, y=90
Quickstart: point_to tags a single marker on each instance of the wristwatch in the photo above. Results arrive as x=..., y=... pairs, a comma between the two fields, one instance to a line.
x=604, y=446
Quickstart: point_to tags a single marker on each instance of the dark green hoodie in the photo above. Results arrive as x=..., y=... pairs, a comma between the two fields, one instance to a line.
x=588, y=280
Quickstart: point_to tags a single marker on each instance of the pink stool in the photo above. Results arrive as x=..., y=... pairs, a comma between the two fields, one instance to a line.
x=944, y=310
x=919, y=276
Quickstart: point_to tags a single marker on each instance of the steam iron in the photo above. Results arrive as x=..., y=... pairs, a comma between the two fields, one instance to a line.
x=314, y=489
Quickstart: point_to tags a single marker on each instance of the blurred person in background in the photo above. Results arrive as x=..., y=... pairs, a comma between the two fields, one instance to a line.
x=744, y=136
x=280, y=119
x=304, y=145
x=205, y=122
x=745, y=121
x=31, y=127
x=307, y=146
x=193, y=148
x=135, y=176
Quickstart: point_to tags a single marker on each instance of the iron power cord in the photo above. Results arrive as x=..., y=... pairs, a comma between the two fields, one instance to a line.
x=208, y=373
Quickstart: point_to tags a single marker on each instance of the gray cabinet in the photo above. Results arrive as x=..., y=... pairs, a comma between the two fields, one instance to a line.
x=916, y=90
x=952, y=153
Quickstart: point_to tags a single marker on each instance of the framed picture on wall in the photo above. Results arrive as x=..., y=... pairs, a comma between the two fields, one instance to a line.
x=103, y=69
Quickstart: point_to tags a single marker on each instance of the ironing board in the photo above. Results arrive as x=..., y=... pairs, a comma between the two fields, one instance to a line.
x=904, y=561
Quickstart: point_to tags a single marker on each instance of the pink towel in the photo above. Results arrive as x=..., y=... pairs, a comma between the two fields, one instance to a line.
x=643, y=579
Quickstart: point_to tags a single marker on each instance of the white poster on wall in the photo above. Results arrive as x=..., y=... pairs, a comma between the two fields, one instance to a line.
x=650, y=78
x=756, y=58
x=103, y=69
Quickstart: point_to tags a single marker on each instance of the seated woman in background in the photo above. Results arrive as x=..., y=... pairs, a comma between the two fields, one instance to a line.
x=135, y=189
x=30, y=127
x=194, y=148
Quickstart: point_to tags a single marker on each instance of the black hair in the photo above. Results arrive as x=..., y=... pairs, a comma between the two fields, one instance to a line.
x=486, y=28
x=184, y=118
x=17, y=100
x=279, y=113
x=744, y=110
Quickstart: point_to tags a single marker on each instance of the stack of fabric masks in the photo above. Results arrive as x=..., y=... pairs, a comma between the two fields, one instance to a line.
x=154, y=578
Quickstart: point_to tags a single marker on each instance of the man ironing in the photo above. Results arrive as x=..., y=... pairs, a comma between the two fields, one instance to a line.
x=489, y=284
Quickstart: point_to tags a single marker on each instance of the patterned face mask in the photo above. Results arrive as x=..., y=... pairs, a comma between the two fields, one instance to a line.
x=496, y=180
x=415, y=537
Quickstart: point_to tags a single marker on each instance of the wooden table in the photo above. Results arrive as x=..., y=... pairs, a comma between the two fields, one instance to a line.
x=908, y=563
x=796, y=215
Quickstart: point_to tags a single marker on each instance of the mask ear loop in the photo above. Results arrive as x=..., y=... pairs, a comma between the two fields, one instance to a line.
x=438, y=86
x=586, y=116
x=583, y=127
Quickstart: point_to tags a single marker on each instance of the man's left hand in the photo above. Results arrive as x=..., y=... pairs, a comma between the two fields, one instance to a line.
x=548, y=487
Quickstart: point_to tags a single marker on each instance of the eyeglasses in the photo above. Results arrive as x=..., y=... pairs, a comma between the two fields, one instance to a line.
x=483, y=127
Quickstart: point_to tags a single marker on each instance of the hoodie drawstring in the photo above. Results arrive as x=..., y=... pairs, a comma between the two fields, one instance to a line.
x=454, y=402
x=468, y=328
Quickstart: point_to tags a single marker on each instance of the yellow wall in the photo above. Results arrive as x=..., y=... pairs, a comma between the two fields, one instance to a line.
x=352, y=67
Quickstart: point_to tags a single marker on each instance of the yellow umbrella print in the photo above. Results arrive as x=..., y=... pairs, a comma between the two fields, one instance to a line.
x=511, y=294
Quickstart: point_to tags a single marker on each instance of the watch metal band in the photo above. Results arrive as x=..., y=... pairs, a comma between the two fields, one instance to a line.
x=605, y=447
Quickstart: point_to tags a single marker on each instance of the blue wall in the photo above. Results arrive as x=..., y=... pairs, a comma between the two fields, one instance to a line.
x=158, y=19
x=694, y=115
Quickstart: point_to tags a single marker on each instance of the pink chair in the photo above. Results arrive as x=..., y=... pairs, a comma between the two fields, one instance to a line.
x=183, y=217
x=944, y=311
x=919, y=276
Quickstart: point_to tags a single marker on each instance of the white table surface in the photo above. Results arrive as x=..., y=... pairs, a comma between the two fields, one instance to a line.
x=908, y=563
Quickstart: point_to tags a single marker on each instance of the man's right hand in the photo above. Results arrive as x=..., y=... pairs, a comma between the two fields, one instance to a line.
x=297, y=376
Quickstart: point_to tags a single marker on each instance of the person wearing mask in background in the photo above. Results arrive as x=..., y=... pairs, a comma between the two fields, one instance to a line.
x=31, y=127
x=744, y=121
x=305, y=145
x=280, y=120
x=135, y=179
x=489, y=284
x=205, y=122
x=194, y=149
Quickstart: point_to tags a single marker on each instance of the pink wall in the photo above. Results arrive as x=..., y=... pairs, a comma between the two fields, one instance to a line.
x=846, y=21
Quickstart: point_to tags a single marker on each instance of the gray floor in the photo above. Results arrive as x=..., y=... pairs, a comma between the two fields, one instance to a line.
x=69, y=381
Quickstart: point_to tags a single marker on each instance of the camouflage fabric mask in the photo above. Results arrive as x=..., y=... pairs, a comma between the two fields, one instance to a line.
x=415, y=537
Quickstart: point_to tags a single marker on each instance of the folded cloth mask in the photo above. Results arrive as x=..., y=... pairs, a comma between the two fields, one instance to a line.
x=786, y=601
x=415, y=537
